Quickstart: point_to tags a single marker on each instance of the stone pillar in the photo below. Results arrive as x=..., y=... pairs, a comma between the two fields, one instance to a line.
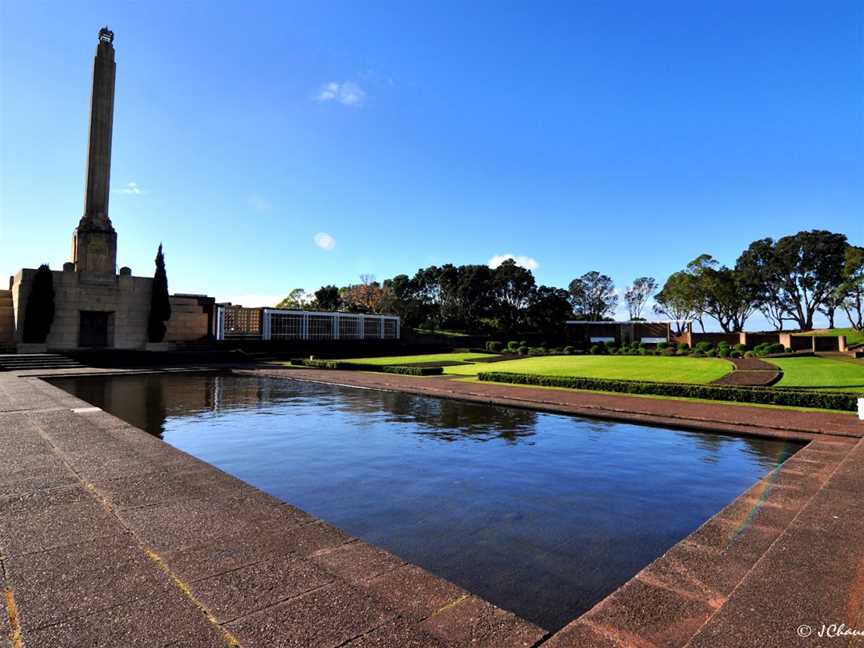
x=94, y=242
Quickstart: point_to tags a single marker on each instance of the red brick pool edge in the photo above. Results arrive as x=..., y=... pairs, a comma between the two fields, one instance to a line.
x=110, y=537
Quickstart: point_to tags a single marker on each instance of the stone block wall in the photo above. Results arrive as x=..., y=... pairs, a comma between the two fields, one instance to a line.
x=191, y=318
x=127, y=297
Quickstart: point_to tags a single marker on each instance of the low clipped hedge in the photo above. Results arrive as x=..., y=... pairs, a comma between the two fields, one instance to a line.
x=355, y=366
x=760, y=395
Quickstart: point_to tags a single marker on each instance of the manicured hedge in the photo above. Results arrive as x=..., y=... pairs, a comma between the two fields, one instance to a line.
x=762, y=395
x=354, y=366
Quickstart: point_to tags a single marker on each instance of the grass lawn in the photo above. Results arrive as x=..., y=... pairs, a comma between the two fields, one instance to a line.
x=852, y=336
x=820, y=373
x=658, y=369
x=430, y=357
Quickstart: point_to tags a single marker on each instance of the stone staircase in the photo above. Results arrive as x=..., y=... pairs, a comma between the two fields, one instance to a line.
x=7, y=322
x=29, y=361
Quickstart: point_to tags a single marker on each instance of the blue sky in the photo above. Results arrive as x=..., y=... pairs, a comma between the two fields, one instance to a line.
x=625, y=137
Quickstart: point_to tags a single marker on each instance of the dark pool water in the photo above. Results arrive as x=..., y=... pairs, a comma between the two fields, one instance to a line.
x=541, y=514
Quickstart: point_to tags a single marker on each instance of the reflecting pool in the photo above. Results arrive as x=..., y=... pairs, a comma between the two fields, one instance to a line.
x=541, y=514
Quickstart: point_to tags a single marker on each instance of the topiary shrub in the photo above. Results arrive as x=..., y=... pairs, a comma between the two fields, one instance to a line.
x=39, y=313
x=683, y=346
x=568, y=350
x=735, y=354
x=493, y=346
x=741, y=348
x=662, y=345
x=536, y=351
x=723, y=352
x=704, y=347
x=595, y=349
x=523, y=350
x=512, y=346
x=749, y=354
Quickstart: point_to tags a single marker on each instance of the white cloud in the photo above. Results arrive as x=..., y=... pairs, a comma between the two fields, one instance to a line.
x=523, y=261
x=132, y=188
x=346, y=93
x=259, y=202
x=324, y=241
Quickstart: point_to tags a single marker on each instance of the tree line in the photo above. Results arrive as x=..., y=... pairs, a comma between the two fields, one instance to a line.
x=787, y=280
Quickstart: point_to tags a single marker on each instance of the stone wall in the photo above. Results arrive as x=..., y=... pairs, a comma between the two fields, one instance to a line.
x=127, y=297
x=191, y=318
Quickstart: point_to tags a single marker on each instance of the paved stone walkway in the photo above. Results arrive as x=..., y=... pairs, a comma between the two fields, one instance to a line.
x=110, y=537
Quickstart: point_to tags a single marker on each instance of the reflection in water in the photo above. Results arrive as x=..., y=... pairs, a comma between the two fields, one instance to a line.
x=539, y=513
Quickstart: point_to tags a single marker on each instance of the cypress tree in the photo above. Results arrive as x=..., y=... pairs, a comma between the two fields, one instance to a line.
x=160, y=306
x=39, y=313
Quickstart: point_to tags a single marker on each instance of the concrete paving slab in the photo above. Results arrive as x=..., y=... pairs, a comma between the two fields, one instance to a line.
x=324, y=618
x=477, y=623
x=58, y=525
x=415, y=592
x=740, y=537
x=357, y=562
x=75, y=580
x=834, y=512
x=35, y=502
x=580, y=634
x=171, y=620
x=195, y=521
x=165, y=487
x=254, y=587
x=238, y=549
x=658, y=615
x=397, y=634
x=819, y=585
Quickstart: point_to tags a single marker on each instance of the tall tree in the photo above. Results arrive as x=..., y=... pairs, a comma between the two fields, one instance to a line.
x=678, y=300
x=852, y=287
x=39, y=313
x=296, y=299
x=548, y=310
x=637, y=295
x=593, y=296
x=366, y=297
x=802, y=270
x=513, y=286
x=327, y=298
x=160, y=304
x=754, y=267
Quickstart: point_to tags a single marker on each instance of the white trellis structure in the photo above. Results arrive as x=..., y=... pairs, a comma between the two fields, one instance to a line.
x=278, y=324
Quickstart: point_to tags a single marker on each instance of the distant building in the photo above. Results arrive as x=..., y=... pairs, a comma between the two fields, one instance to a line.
x=600, y=332
x=239, y=323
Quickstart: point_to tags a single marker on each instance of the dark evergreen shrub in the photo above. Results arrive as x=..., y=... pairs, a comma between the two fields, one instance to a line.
x=160, y=305
x=493, y=347
x=39, y=313
x=569, y=349
x=683, y=346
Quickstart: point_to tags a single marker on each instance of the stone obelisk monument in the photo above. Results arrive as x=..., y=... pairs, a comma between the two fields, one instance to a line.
x=94, y=242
